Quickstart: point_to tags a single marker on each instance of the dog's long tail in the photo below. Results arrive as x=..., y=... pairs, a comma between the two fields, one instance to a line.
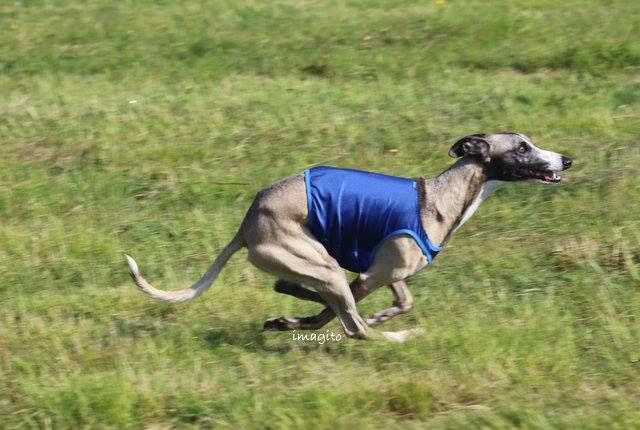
x=196, y=289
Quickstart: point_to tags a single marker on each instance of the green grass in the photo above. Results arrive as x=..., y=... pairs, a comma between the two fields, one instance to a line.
x=147, y=127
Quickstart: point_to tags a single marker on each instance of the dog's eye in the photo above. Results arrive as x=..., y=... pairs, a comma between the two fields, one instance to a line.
x=523, y=148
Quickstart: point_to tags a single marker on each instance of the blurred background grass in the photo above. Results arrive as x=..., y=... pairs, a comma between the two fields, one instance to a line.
x=148, y=126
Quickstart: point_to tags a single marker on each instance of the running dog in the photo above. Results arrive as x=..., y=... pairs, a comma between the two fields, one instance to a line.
x=308, y=228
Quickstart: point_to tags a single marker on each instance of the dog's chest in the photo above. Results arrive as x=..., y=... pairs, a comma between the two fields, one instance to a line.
x=488, y=188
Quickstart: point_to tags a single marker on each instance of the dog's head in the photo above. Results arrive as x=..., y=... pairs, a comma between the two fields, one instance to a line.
x=511, y=157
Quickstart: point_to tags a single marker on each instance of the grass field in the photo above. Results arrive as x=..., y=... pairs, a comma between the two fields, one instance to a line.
x=147, y=127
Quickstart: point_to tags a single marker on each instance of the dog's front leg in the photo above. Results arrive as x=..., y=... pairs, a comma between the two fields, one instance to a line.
x=402, y=304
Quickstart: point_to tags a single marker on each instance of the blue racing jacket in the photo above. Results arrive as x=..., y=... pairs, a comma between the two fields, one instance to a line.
x=351, y=212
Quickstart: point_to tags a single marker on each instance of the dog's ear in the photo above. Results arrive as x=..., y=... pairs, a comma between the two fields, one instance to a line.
x=474, y=144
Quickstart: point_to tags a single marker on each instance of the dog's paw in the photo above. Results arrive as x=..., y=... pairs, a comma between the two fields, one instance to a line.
x=280, y=324
x=403, y=335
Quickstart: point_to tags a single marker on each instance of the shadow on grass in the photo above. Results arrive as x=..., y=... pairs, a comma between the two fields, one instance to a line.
x=252, y=338
x=248, y=337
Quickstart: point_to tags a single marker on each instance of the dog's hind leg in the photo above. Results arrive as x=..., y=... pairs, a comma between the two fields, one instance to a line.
x=314, y=322
x=296, y=290
x=300, y=259
x=360, y=287
x=402, y=304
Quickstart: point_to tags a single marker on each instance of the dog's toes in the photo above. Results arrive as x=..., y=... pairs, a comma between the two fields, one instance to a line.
x=271, y=324
x=280, y=324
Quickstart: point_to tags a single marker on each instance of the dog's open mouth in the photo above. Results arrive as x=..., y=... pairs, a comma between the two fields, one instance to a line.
x=547, y=176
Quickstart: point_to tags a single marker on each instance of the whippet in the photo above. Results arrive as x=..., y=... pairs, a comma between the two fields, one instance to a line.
x=289, y=230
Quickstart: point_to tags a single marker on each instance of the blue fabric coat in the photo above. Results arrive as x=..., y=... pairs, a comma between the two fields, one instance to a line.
x=352, y=212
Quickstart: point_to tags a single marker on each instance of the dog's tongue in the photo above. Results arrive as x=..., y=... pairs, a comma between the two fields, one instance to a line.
x=547, y=176
x=551, y=177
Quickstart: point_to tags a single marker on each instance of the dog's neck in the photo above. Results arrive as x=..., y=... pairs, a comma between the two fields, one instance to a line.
x=449, y=199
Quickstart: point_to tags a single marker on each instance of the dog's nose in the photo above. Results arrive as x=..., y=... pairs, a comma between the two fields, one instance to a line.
x=566, y=162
